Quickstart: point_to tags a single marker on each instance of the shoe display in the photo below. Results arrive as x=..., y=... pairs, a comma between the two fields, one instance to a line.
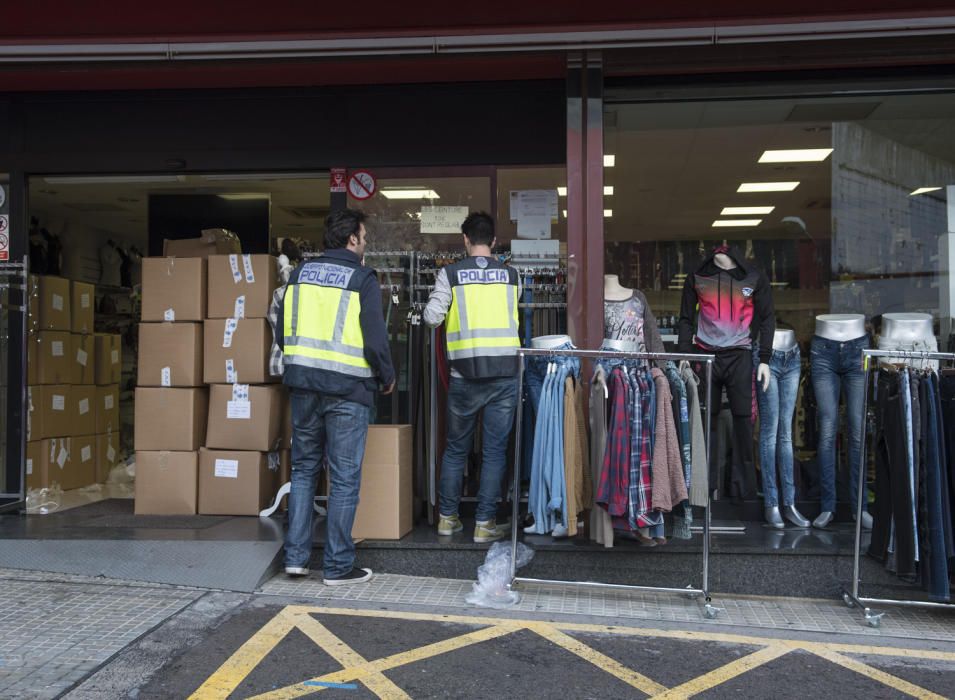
x=354, y=576
x=795, y=517
x=823, y=521
x=449, y=525
x=773, y=518
x=296, y=571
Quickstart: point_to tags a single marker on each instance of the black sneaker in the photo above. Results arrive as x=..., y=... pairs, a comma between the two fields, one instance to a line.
x=353, y=576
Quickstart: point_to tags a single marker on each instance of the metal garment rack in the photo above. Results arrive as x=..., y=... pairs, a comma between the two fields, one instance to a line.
x=709, y=610
x=852, y=597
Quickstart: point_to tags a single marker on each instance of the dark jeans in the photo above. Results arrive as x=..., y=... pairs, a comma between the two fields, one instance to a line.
x=947, y=394
x=939, y=522
x=326, y=430
x=733, y=370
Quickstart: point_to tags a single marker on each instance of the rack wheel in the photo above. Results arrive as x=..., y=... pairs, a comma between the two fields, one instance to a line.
x=873, y=619
x=847, y=599
x=710, y=611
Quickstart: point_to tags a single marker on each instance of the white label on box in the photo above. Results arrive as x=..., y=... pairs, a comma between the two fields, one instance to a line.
x=236, y=273
x=166, y=379
x=114, y=357
x=86, y=454
x=249, y=275
x=62, y=457
x=85, y=301
x=230, y=374
x=227, y=468
x=57, y=302
x=110, y=454
x=57, y=348
x=29, y=467
x=108, y=402
x=169, y=315
x=84, y=406
x=231, y=325
x=59, y=402
x=241, y=410
x=82, y=357
x=239, y=311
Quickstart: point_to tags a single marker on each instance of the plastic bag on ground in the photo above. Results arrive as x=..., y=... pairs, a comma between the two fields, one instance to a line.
x=494, y=575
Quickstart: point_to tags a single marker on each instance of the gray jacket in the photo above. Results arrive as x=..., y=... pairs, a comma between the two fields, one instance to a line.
x=700, y=478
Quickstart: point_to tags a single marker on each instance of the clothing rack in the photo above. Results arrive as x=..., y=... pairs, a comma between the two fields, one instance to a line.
x=709, y=610
x=852, y=597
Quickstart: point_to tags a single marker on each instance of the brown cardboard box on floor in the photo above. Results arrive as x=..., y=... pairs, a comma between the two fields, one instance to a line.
x=107, y=456
x=213, y=241
x=107, y=409
x=82, y=468
x=83, y=402
x=82, y=298
x=68, y=462
x=108, y=356
x=235, y=483
x=50, y=303
x=174, y=289
x=237, y=350
x=47, y=462
x=49, y=411
x=229, y=277
x=243, y=417
x=53, y=362
x=33, y=354
x=37, y=466
x=385, y=500
x=166, y=483
x=170, y=354
x=83, y=358
x=170, y=419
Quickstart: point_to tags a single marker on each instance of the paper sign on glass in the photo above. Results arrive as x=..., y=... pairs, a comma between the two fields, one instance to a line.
x=442, y=219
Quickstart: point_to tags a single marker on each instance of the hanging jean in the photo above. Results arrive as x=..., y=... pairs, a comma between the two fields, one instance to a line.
x=943, y=449
x=535, y=369
x=646, y=416
x=681, y=415
x=910, y=452
x=777, y=405
x=947, y=392
x=937, y=575
x=837, y=368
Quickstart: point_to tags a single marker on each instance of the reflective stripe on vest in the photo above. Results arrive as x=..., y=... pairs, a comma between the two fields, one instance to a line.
x=477, y=323
x=316, y=338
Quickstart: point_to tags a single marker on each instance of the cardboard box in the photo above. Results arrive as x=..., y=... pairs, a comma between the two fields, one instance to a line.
x=170, y=419
x=37, y=467
x=108, y=356
x=82, y=301
x=83, y=411
x=385, y=501
x=107, y=409
x=81, y=470
x=49, y=411
x=174, y=289
x=107, y=456
x=33, y=351
x=235, y=483
x=229, y=281
x=166, y=483
x=53, y=358
x=49, y=306
x=237, y=351
x=69, y=462
x=214, y=241
x=246, y=418
x=170, y=354
x=83, y=358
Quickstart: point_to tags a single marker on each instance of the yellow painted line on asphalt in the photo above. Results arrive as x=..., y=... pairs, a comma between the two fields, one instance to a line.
x=723, y=674
x=888, y=679
x=601, y=661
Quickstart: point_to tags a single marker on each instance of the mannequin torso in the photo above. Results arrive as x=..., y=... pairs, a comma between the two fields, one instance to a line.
x=614, y=291
x=784, y=340
x=549, y=342
x=840, y=327
x=906, y=328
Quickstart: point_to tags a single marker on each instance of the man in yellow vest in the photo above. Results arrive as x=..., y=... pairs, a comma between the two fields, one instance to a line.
x=478, y=296
x=335, y=357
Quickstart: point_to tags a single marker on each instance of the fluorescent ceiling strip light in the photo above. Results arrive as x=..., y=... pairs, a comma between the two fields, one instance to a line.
x=562, y=191
x=736, y=223
x=608, y=190
x=608, y=213
x=768, y=187
x=924, y=190
x=565, y=213
x=232, y=177
x=610, y=161
x=410, y=194
x=798, y=155
x=745, y=211
x=239, y=196
x=112, y=179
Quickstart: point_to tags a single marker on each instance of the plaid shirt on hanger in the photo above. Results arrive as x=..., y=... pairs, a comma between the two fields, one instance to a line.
x=612, y=492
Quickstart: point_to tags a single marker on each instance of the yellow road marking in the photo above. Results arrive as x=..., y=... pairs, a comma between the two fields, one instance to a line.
x=601, y=661
x=888, y=679
x=725, y=673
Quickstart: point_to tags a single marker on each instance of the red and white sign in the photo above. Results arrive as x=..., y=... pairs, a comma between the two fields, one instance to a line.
x=361, y=184
x=338, y=181
x=4, y=238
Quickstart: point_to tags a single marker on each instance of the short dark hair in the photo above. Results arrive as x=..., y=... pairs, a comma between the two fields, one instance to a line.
x=479, y=228
x=340, y=225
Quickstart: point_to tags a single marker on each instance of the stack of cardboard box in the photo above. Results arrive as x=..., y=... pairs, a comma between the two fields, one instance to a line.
x=73, y=387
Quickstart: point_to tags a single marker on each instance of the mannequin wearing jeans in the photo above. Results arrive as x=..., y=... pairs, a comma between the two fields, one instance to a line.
x=777, y=404
x=836, y=362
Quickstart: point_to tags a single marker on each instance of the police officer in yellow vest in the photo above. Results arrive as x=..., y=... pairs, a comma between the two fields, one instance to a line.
x=336, y=356
x=478, y=296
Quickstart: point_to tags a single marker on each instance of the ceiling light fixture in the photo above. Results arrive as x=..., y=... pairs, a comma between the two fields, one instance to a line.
x=736, y=223
x=565, y=213
x=241, y=196
x=798, y=155
x=112, y=179
x=745, y=211
x=608, y=213
x=410, y=194
x=767, y=187
x=608, y=190
x=562, y=191
x=231, y=177
x=610, y=161
x=920, y=190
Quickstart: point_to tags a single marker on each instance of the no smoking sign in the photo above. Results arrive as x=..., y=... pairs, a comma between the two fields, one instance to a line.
x=361, y=184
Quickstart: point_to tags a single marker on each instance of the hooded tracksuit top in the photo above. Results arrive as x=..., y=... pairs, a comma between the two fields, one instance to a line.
x=725, y=309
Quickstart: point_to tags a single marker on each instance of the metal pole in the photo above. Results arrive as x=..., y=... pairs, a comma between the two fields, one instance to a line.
x=433, y=439
x=861, y=481
x=516, y=489
x=706, y=519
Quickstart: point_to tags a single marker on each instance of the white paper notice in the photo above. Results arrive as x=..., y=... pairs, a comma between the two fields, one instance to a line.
x=84, y=301
x=84, y=406
x=29, y=467
x=57, y=302
x=239, y=311
x=86, y=454
x=533, y=227
x=62, y=457
x=230, y=374
x=533, y=203
x=82, y=357
x=114, y=357
x=169, y=315
x=59, y=402
x=442, y=219
x=57, y=347
x=166, y=378
x=227, y=468
x=110, y=453
x=247, y=264
x=108, y=402
x=240, y=409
